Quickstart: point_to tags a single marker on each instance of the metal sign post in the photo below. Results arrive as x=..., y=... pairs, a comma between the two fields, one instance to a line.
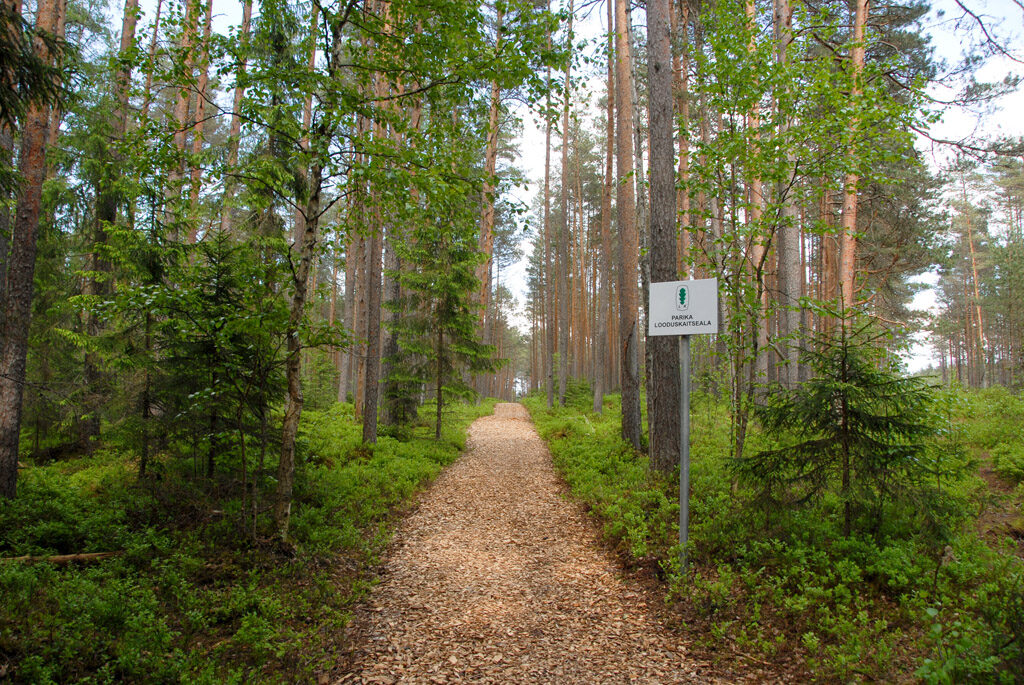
x=684, y=448
x=684, y=308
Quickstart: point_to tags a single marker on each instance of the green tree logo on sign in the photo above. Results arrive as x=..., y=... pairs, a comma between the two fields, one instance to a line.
x=683, y=298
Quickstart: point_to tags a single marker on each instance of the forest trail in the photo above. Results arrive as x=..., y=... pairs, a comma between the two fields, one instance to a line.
x=496, y=578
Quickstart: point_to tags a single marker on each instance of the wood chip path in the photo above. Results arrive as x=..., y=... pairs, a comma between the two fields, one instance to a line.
x=497, y=578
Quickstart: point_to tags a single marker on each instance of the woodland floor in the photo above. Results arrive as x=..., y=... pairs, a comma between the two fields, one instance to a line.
x=497, y=577
x=1002, y=514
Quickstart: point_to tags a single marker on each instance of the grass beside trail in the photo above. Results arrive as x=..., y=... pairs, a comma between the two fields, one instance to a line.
x=193, y=596
x=944, y=606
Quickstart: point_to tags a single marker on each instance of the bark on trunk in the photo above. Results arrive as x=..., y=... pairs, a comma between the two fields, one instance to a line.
x=21, y=267
x=663, y=392
x=349, y=304
x=486, y=243
x=235, y=132
x=848, y=245
x=789, y=263
x=293, y=361
x=549, y=298
x=628, y=238
x=371, y=389
x=601, y=366
x=181, y=107
x=108, y=200
x=197, y=126
x=147, y=95
x=563, y=233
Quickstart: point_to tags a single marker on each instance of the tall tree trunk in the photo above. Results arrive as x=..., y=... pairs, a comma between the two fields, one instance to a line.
x=349, y=313
x=755, y=205
x=293, y=359
x=373, y=275
x=848, y=237
x=663, y=392
x=439, y=382
x=198, y=125
x=179, y=120
x=628, y=238
x=601, y=366
x=56, y=114
x=300, y=280
x=563, y=232
x=307, y=113
x=549, y=297
x=21, y=265
x=108, y=200
x=640, y=179
x=6, y=158
x=361, y=280
x=395, y=404
x=789, y=263
x=235, y=132
x=399, y=400
x=681, y=68
x=147, y=94
x=980, y=338
x=486, y=241
x=371, y=388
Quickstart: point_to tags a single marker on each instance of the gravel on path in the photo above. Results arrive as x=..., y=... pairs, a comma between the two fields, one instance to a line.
x=497, y=578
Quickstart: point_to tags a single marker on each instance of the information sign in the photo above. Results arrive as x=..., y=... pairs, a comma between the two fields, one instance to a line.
x=684, y=307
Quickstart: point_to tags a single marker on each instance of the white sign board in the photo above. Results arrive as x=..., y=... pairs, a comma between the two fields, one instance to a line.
x=684, y=307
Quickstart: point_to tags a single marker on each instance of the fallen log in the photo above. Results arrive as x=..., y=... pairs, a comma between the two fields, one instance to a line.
x=64, y=559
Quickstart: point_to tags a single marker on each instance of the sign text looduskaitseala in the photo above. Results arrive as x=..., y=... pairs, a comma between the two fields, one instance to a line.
x=684, y=307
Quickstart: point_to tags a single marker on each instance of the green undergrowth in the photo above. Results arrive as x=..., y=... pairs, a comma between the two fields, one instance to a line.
x=922, y=598
x=193, y=595
x=993, y=421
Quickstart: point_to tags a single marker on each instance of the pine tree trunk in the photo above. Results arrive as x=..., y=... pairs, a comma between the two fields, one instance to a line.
x=6, y=159
x=180, y=113
x=373, y=274
x=197, y=127
x=663, y=391
x=682, y=91
x=486, y=243
x=147, y=92
x=980, y=338
x=848, y=245
x=21, y=266
x=439, y=382
x=563, y=234
x=371, y=388
x=628, y=239
x=549, y=297
x=601, y=366
x=759, y=259
x=349, y=312
x=235, y=132
x=108, y=199
x=788, y=251
x=307, y=113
